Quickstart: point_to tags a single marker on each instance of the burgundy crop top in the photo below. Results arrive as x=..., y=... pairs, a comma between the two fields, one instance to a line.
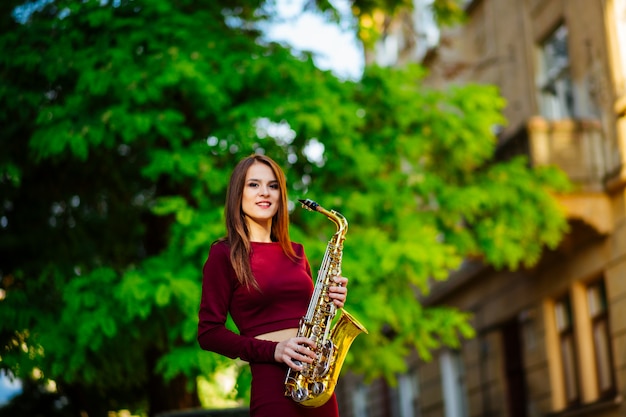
x=286, y=288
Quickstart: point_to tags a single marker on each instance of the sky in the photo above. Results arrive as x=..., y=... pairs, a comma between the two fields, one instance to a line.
x=8, y=388
x=335, y=48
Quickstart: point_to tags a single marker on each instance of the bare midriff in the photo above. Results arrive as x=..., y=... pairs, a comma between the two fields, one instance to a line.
x=279, y=335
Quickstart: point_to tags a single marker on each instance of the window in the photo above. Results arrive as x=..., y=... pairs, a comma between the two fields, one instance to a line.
x=556, y=92
x=565, y=330
x=408, y=394
x=453, y=381
x=620, y=17
x=598, y=314
x=359, y=400
x=579, y=344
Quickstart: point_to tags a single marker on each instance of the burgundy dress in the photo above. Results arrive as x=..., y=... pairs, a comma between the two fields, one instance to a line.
x=286, y=288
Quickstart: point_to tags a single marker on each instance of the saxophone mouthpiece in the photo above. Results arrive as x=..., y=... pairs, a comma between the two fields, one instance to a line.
x=309, y=204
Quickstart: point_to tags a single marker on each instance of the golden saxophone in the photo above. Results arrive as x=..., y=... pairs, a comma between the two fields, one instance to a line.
x=315, y=383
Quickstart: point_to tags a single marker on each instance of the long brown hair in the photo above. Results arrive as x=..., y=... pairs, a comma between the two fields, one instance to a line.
x=236, y=227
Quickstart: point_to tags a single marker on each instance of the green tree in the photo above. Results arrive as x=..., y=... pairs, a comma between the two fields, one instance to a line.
x=121, y=122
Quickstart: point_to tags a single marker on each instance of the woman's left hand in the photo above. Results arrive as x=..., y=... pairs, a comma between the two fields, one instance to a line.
x=339, y=291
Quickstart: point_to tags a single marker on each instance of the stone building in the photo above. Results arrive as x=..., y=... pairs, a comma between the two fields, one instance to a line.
x=551, y=340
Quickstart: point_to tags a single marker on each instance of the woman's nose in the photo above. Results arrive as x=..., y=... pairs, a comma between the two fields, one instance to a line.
x=264, y=190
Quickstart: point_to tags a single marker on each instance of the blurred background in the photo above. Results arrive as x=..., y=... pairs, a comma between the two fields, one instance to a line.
x=476, y=147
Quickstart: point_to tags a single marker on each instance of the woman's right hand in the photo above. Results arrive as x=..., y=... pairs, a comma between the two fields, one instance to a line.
x=294, y=351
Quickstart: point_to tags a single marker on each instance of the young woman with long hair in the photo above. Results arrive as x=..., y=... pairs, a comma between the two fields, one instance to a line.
x=263, y=280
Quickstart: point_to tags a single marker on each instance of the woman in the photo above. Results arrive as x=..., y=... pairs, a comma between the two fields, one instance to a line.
x=264, y=281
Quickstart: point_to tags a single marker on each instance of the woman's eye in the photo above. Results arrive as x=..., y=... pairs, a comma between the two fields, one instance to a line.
x=253, y=185
x=274, y=186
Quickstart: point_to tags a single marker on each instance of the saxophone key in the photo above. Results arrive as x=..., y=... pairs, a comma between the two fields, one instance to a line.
x=300, y=394
x=317, y=388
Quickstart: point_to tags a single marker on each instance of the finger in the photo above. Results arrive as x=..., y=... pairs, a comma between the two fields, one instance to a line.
x=300, y=341
x=338, y=299
x=339, y=294
x=294, y=364
x=341, y=281
x=305, y=353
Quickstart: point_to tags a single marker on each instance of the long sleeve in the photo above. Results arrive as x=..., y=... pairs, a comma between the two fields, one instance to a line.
x=218, y=285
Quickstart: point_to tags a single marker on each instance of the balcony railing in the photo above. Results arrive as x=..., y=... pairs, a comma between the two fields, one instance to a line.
x=578, y=147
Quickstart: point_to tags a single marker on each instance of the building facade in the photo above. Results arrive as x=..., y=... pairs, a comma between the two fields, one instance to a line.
x=551, y=340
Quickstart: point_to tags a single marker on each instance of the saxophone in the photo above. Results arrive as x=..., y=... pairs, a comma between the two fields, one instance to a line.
x=315, y=383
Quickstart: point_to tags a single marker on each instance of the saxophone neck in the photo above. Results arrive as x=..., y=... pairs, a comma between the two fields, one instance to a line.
x=339, y=220
x=336, y=217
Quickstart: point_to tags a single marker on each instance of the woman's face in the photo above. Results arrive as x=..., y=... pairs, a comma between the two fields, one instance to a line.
x=261, y=194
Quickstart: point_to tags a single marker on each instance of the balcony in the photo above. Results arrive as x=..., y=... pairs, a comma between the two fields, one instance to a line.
x=578, y=147
x=587, y=156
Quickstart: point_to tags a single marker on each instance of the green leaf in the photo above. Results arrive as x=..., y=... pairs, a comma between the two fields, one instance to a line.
x=163, y=295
